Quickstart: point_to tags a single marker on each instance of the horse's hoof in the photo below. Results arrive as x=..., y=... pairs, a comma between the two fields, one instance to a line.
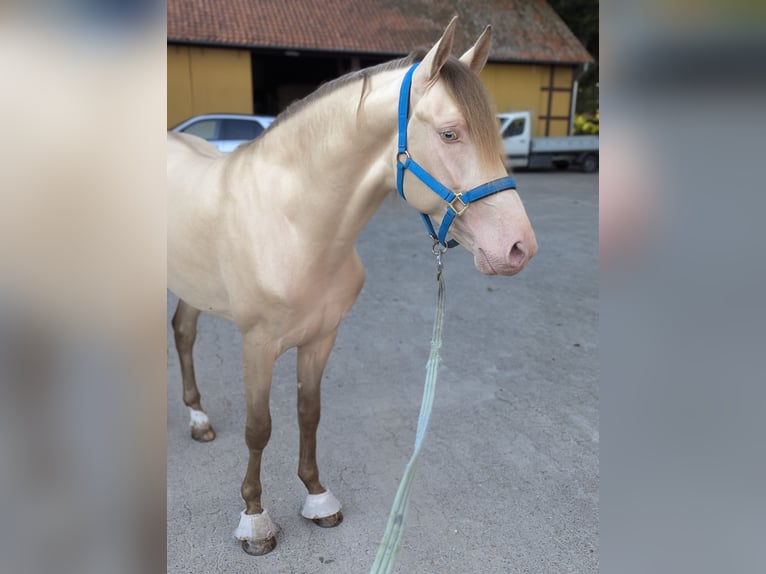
x=323, y=509
x=203, y=434
x=257, y=533
x=259, y=547
x=329, y=521
x=201, y=429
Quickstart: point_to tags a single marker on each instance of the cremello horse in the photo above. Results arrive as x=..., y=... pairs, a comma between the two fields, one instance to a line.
x=265, y=236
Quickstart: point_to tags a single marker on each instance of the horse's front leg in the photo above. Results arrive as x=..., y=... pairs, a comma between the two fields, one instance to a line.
x=256, y=530
x=320, y=505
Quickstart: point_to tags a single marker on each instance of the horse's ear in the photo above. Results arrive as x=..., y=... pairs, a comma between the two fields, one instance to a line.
x=476, y=57
x=431, y=65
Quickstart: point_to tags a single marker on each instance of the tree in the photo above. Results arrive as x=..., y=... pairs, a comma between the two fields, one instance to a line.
x=581, y=16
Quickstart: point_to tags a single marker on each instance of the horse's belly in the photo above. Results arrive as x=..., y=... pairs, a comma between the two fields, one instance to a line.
x=209, y=298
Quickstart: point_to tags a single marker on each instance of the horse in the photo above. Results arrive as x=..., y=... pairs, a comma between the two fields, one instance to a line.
x=265, y=236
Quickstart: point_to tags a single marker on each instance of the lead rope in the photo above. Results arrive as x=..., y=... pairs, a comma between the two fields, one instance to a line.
x=389, y=545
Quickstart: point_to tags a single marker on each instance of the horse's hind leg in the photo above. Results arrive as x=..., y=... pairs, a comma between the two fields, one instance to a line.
x=320, y=506
x=185, y=330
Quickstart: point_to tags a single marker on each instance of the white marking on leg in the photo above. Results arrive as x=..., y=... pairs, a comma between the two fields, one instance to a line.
x=255, y=526
x=320, y=505
x=198, y=419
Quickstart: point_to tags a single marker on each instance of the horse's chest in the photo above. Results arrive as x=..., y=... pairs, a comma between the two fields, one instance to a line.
x=318, y=305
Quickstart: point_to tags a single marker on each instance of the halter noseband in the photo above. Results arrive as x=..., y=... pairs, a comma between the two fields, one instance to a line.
x=457, y=202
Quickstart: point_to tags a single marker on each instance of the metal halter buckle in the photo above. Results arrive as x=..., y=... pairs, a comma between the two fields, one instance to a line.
x=458, y=197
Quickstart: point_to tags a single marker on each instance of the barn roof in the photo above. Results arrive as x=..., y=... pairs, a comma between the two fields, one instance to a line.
x=523, y=30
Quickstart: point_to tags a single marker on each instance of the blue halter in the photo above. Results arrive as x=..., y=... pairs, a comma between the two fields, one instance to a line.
x=458, y=202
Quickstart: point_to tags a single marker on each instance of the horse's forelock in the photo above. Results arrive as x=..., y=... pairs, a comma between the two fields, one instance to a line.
x=474, y=103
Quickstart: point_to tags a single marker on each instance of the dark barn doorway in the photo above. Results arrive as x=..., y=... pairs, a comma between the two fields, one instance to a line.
x=281, y=78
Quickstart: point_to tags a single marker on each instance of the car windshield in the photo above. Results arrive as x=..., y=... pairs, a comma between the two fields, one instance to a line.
x=515, y=128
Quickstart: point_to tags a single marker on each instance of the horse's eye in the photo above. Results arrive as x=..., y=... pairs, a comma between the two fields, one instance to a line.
x=449, y=136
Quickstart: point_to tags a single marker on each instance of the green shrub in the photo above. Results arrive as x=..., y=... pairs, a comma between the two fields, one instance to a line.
x=586, y=124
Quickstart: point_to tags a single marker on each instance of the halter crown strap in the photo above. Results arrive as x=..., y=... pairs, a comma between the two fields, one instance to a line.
x=458, y=202
x=404, y=112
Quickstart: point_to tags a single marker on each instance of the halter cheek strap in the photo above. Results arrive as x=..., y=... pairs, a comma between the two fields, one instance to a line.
x=457, y=202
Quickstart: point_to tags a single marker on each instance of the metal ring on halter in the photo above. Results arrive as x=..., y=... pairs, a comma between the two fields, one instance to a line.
x=404, y=153
x=441, y=248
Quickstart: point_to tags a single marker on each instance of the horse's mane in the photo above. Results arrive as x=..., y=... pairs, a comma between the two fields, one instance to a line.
x=464, y=86
x=333, y=85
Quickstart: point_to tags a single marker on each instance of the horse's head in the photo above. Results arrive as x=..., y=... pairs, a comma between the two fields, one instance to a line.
x=453, y=134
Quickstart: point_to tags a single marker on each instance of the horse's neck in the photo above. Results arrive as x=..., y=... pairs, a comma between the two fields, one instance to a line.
x=337, y=164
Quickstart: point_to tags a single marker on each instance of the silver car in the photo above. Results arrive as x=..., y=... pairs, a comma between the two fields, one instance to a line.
x=225, y=131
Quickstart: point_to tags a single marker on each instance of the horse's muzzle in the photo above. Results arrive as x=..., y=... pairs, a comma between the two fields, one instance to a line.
x=510, y=263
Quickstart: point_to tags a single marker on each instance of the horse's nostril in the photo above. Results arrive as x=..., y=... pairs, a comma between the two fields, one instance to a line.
x=517, y=255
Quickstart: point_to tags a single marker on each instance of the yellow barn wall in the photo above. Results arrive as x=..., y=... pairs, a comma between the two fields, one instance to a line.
x=517, y=87
x=179, y=95
x=208, y=80
x=562, y=77
x=561, y=103
x=514, y=87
